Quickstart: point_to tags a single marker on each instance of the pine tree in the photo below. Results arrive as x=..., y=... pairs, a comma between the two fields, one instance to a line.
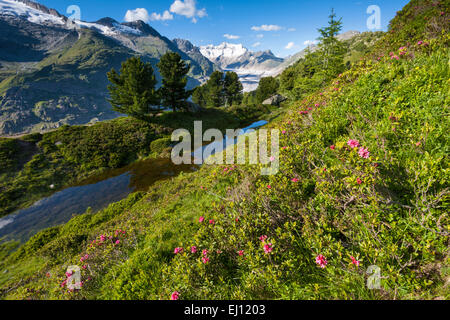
x=133, y=91
x=215, y=89
x=267, y=87
x=174, y=80
x=331, y=49
x=232, y=89
x=199, y=96
x=219, y=90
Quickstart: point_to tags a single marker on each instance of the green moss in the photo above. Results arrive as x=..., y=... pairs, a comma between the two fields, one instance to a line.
x=9, y=150
x=159, y=145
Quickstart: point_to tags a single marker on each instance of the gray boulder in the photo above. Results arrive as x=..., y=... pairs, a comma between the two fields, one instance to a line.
x=274, y=100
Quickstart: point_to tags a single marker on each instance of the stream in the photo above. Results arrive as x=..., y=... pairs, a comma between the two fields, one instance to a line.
x=96, y=193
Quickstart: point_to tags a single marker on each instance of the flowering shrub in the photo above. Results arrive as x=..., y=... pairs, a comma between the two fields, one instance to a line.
x=344, y=212
x=321, y=261
x=363, y=182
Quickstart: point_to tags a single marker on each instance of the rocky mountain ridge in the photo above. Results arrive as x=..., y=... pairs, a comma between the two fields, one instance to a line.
x=53, y=69
x=250, y=66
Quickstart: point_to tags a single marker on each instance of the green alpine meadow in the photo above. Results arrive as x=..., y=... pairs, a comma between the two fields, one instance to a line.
x=92, y=206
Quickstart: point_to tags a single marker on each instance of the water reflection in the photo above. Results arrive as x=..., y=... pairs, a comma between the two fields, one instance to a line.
x=209, y=149
x=96, y=192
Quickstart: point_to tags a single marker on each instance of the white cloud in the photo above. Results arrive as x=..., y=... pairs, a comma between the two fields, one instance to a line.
x=202, y=13
x=290, y=45
x=260, y=36
x=292, y=29
x=231, y=37
x=185, y=8
x=161, y=17
x=256, y=44
x=309, y=42
x=266, y=27
x=188, y=9
x=137, y=14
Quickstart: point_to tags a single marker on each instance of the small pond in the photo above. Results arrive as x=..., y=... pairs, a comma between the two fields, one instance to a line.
x=96, y=193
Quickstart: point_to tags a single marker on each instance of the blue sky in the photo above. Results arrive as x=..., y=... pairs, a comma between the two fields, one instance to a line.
x=283, y=26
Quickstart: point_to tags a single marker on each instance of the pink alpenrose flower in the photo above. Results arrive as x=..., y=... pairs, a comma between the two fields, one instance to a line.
x=321, y=261
x=175, y=296
x=364, y=153
x=353, y=143
x=354, y=261
x=268, y=248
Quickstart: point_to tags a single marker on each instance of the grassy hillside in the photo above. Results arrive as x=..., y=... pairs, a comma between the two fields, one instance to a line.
x=360, y=45
x=91, y=50
x=307, y=74
x=363, y=186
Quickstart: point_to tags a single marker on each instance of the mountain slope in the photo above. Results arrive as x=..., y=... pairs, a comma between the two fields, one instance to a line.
x=349, y=38
x=143, y=39
x=66, y=87
x=194, y=53
x=53, y=70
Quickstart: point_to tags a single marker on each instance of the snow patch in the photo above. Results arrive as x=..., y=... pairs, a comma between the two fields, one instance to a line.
x=249, y=66
x=19, y=9
x=126, y=29
x=108, y=31
x=227, y=50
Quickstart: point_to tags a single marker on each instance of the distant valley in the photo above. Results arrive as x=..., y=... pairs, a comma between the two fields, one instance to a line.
x=53, y=69
x=250, y=66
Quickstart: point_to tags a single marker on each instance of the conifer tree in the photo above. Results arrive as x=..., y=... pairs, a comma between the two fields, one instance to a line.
x=232, y=89
x=132, y=92
x=174, y=72
x=331, y=49
x=267, y=87
x=215, y=89
x=199, y=96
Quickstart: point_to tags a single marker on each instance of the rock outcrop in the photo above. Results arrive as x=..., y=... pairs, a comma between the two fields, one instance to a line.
x=275, y=100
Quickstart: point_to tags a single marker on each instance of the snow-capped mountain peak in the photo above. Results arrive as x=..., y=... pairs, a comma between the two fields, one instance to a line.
x=249, y=65
x=226, y=50
x=32, y=14
x=112, y=30
x=39, y=14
